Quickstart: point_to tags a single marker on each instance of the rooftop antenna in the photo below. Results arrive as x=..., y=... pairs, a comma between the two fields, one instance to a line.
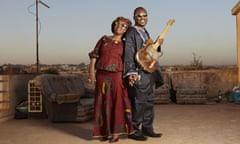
x=37, y=45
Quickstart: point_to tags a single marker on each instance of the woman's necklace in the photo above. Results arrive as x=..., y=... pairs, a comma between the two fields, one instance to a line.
x=116, y=40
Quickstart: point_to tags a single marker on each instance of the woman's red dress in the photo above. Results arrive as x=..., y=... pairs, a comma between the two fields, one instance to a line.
x=112, y=111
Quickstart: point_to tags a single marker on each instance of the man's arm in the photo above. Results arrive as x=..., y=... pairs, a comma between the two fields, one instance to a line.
x=129, y=53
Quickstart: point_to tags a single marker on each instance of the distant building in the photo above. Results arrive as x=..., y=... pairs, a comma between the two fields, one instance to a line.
x=10, y=70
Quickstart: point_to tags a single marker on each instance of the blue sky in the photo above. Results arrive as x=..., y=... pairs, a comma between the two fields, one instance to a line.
x=69, y=29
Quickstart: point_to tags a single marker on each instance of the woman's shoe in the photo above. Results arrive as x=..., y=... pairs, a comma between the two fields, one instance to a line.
x=114, y=139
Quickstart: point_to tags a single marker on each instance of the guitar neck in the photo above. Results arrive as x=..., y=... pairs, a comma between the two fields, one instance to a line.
x=163, y=34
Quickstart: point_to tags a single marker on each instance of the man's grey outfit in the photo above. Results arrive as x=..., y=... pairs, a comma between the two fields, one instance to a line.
x=142, y=94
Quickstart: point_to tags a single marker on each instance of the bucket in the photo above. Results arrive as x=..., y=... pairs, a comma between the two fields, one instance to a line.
x=230, y=97
x=236, y=96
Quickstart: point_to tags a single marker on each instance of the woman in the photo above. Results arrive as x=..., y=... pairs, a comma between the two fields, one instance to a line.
x=112, y=111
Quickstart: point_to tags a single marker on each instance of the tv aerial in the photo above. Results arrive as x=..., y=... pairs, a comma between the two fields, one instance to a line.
x=37, y=43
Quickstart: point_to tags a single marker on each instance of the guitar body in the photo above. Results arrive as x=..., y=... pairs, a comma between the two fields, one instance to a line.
x=146, y=57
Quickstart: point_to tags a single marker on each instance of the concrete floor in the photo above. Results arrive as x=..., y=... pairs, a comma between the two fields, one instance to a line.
x=180, y=124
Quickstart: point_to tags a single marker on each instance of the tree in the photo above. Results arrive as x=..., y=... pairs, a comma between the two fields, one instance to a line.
x=197, y=62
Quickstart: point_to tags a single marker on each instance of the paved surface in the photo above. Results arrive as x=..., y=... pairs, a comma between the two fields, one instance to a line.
x=180, y=124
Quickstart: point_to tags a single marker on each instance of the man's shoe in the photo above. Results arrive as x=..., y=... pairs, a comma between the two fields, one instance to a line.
x=137, y=137
x=104, y=139
x=153, y=134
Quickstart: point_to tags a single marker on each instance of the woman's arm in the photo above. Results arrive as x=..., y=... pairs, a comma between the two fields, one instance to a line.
x=91, y=71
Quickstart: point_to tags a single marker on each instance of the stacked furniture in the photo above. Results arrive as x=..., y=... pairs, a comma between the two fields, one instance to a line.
x=190, y=87
x=65, y=97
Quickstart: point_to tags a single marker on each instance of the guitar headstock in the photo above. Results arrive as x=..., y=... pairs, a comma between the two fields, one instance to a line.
x=169, y=24
x=171, y=21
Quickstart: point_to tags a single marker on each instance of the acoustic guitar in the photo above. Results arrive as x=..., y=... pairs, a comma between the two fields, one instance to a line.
x=147, y=57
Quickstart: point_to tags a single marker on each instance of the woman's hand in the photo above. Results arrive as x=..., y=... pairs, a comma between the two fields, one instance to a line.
x=91, y=78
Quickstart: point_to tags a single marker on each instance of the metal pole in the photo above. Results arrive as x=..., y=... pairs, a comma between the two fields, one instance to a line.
x=37, y=45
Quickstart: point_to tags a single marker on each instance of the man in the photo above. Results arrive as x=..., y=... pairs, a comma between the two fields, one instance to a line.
x=142, y=84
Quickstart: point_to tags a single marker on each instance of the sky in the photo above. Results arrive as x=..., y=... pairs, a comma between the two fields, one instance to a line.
x=69, y=29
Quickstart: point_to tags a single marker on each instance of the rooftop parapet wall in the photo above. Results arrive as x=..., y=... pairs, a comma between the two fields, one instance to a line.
x=216, y=81
x=17, y=92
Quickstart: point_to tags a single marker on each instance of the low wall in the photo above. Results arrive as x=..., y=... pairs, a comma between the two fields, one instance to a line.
x=218, y=82
x=16, y=91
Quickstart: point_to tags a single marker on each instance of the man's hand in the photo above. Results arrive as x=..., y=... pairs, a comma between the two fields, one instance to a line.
x=159, y=40
x=132, y=79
